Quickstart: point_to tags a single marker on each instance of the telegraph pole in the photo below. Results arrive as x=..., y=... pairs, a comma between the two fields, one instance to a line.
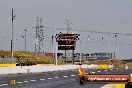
x=25, y=39
x=13, y=17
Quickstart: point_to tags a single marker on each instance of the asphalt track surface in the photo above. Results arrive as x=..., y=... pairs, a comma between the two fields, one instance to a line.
x=62, y=79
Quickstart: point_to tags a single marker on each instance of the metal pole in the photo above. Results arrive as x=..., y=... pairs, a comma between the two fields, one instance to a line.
x=12, y=42
x=65, y=54
x=80, y=52
x=116, y=48
x=25, y=39
x=73, y=56
x=56, y=53
x=13, y=17
x=118, y=45
x=109, y=44
x=53, y=48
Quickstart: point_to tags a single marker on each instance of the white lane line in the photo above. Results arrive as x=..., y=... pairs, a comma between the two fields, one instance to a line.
x=111, y=69
x=50, y=78
x=93, y=72
x=42, y=79
x=0, y=85
x=32, y=80
x=5, y=84
x=25, y=81
x=105, y=70
x=56, y=77
x=65, y=76
x=19, y=82
x=73, y=75
x=98, y=71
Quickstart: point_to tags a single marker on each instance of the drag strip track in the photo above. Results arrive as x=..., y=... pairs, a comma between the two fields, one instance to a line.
x=63, y=79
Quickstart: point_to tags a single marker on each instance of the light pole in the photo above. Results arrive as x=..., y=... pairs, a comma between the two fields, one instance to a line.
x=109, y=44
x=116, y=52
x=25, y=38
x=117, y=46
x=53, y=48
x=56, y=53
x=80, y=53
x=86, y=55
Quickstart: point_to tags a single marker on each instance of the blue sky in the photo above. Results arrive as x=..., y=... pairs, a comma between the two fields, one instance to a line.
x=100, y=15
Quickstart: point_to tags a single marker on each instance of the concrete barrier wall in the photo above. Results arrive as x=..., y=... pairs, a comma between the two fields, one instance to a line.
x=36, y=69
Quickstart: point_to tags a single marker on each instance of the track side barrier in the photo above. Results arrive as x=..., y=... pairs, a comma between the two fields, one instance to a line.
x=36, y=69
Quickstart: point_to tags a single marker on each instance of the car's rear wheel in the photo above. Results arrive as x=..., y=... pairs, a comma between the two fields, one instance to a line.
x=128, y=85
x=81, y=80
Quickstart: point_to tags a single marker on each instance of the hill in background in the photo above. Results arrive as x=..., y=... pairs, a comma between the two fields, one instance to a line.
x=29, y=57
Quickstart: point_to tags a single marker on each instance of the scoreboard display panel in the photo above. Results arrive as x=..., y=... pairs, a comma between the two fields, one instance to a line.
x=62, y=42
x=72, y=37
x=66, y=47
x=67, y=41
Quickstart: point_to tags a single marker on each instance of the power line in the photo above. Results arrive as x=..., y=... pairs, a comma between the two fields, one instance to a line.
x=89, y=31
